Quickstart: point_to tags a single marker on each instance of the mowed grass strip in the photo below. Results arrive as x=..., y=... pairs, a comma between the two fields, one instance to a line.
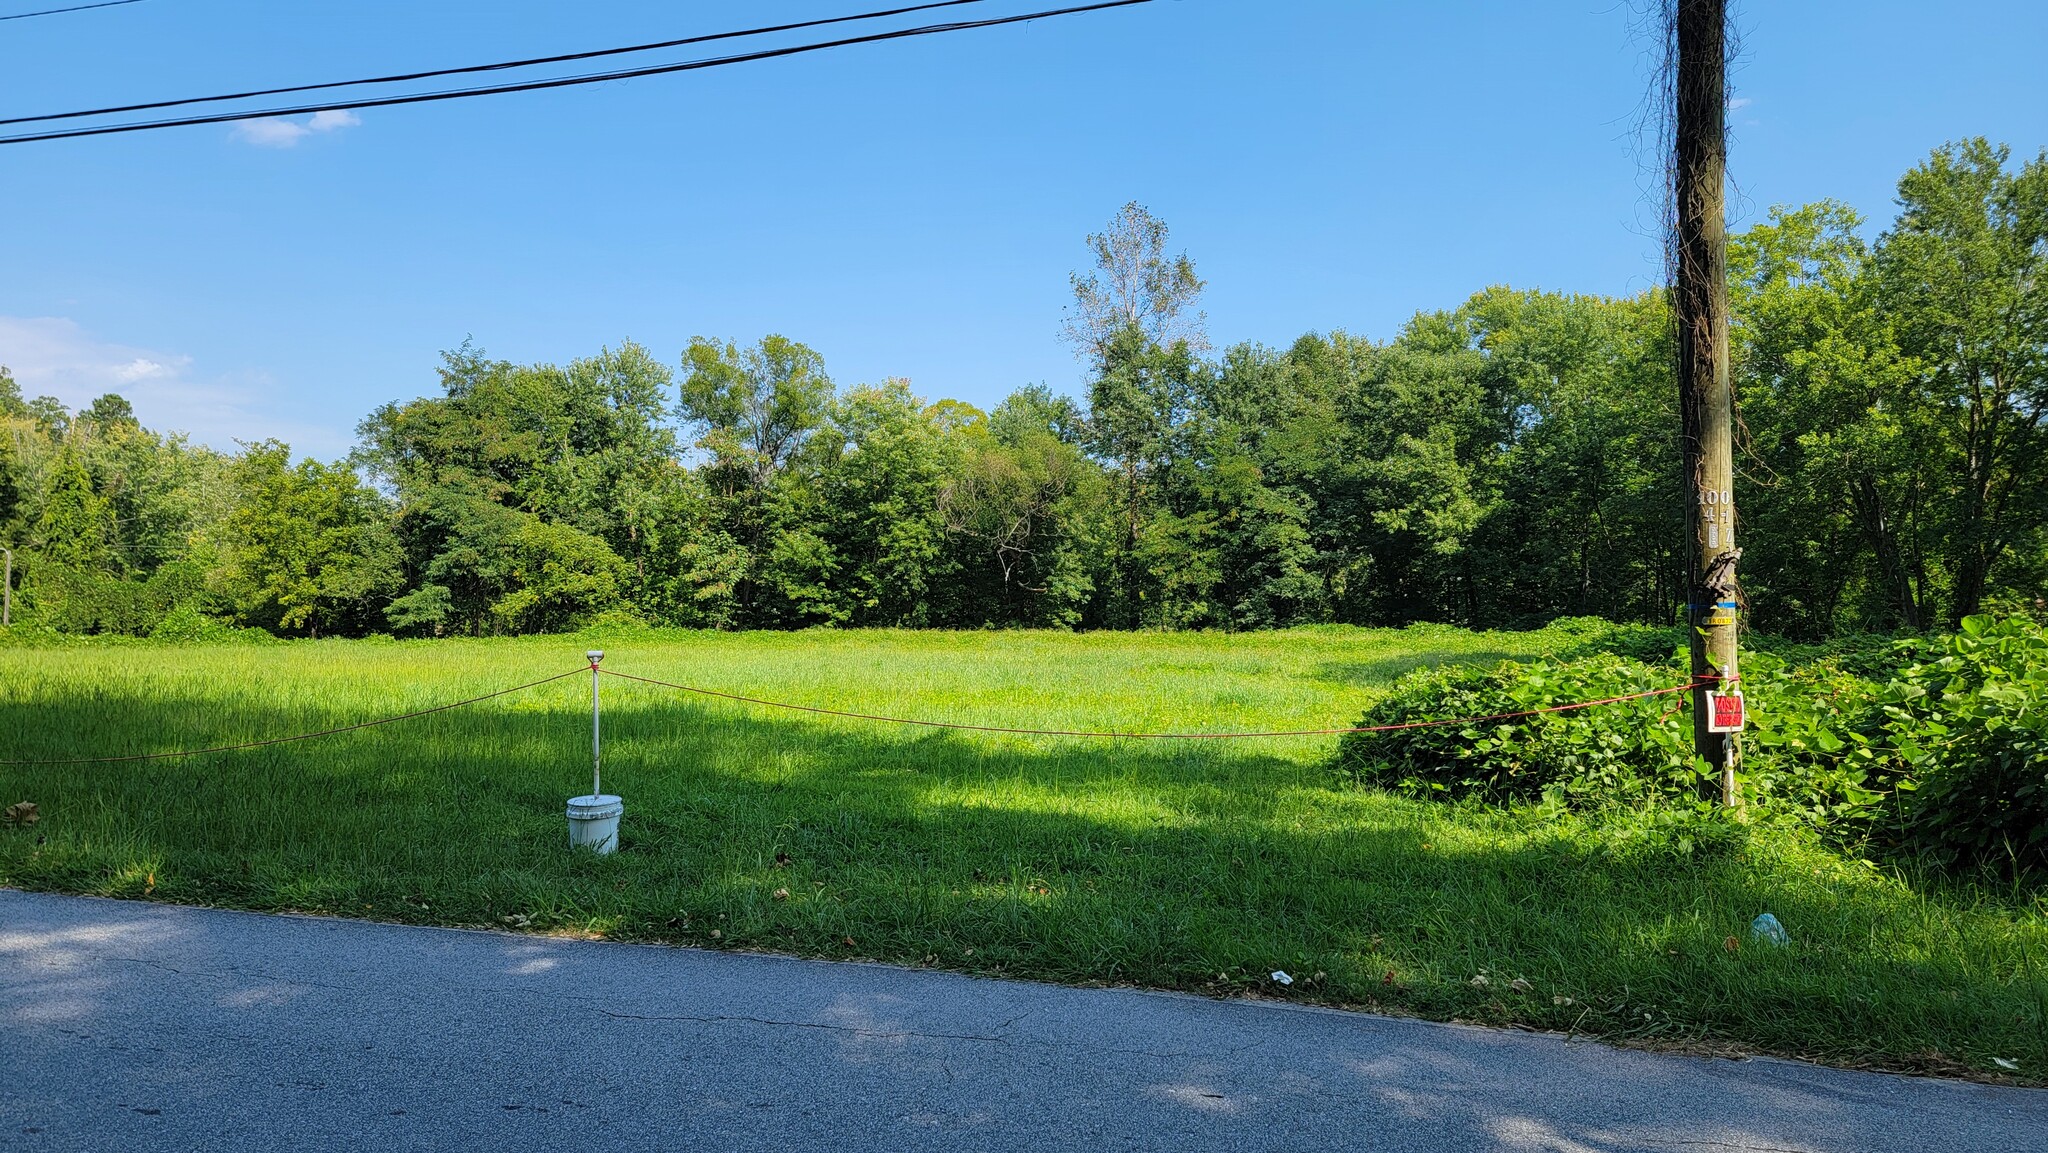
x=1203, y=865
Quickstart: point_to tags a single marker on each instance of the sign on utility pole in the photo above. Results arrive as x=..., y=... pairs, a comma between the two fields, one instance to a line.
x=1699, y=297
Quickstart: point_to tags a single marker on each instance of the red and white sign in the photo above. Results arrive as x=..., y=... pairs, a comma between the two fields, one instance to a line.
x=1724, y=712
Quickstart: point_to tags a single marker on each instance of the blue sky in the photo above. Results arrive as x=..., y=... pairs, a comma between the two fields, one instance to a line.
x=909, y=209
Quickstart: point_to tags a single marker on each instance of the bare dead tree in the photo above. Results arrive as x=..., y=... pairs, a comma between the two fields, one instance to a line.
x=1134, y=284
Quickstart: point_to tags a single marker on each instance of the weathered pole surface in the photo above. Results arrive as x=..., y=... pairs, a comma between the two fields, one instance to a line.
x=1699, y=293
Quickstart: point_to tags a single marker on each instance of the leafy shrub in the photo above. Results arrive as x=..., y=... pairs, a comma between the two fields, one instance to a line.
x=2016, y=604
x=1944, y=757
x=69, y=599
x=187, y=625
x=1626, y=751
x=613, y=621
x=1969, y=734
x=1877, y=656
x=1814, y=747
x=561, y=578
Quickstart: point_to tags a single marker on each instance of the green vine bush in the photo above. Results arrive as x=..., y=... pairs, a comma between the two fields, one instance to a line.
x=1968, y=737
x=1935, y=748
x=70, y=599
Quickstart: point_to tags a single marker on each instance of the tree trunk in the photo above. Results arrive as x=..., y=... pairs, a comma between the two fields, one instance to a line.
x=1899, y=589
x=1706, y=401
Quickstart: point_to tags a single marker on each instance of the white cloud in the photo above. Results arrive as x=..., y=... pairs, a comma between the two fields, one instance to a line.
x=332, y=119
x=54, y=356
x=50, y=354
x=142, y=368
x=1739, y=103
x=284, y=132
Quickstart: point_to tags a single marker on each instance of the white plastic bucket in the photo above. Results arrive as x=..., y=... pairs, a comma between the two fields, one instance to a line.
x=594, y=822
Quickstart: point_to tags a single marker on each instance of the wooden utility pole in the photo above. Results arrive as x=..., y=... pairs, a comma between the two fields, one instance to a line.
x=1699, y=297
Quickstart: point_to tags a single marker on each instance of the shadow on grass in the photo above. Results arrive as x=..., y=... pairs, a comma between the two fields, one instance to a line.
x=1203, y=866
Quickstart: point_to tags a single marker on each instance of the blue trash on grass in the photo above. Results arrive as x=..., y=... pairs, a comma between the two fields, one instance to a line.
x=1767, y=929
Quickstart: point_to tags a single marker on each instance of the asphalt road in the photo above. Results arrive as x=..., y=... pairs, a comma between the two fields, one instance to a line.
x=137, y=1027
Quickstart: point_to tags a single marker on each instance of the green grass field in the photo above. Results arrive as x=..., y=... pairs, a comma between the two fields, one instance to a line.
x=1199, y=866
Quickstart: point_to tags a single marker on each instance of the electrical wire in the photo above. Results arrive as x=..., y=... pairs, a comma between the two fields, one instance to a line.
x=565, y=81
x=75, y=8
x=498, y=67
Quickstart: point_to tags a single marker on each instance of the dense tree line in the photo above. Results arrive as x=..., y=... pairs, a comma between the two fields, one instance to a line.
x=1500, y=463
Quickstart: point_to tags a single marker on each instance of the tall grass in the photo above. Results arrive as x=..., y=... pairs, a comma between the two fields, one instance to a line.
x=1201, y=866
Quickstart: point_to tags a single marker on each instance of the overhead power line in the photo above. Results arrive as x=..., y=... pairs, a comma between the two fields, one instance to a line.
x=73, y=8
x=564, y=81
x=473, y=68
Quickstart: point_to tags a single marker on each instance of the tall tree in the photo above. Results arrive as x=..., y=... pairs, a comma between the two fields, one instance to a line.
x=1963, y=272
x=1833, y=425
x=1022, y=506
x=586, y=447
x=755, y=406
x=1134, y=284
x=311, y=545
x=1141, y=423
x=875, y=479
x=754, y=410
x=75, y=525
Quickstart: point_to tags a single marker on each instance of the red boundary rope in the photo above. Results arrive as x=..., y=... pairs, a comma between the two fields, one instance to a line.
x=1687, y=687
x=301, y=736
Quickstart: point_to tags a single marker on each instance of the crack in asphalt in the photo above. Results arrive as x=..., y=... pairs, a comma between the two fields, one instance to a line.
x=715, y=1018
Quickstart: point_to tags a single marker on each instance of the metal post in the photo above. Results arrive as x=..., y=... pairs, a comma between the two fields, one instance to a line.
x=594, y=820
x=596, y=759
